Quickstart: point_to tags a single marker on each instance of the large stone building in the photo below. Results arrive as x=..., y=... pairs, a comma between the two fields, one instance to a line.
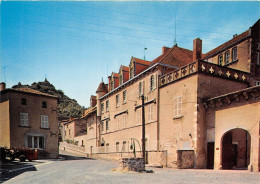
x=201, y=110
x=28, y=118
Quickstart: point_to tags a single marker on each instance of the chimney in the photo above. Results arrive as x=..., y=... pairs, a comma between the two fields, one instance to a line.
x=197, y=49
x=235, y=35
x=165, y=49
x=93, y=101
x=2, y=86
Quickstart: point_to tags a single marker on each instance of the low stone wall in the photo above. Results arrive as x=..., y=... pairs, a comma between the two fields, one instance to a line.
x=72, y=148
x=158, y=158
x=132, y=164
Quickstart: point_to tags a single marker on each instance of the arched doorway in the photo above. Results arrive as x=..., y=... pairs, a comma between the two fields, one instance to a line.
x=236, y=149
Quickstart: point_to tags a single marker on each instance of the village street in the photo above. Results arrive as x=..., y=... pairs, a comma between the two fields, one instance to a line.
x=77, y=169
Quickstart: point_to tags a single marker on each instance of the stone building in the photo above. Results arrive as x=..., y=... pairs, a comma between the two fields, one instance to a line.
x=28, y=118
x=201, y=110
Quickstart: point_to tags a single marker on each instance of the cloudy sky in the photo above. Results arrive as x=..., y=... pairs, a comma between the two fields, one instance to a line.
x=76, y=44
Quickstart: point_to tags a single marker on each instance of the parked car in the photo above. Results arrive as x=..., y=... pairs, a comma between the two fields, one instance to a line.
x=2, y=153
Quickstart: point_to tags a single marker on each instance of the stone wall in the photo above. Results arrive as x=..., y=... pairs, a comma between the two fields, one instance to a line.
x=185, y=159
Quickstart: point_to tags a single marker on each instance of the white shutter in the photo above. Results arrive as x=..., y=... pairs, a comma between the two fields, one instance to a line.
x=22, y=119
x=25, y=119
x=42, y=121
x=155, y=81
x=149, y=84
x=46, y=122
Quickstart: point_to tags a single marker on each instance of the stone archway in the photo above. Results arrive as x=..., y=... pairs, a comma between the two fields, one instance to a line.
x=236, y=145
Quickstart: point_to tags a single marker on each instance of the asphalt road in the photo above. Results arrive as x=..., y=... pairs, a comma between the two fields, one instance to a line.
x=75, y=169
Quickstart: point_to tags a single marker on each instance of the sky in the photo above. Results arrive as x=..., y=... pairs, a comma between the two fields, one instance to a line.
x=77, y=44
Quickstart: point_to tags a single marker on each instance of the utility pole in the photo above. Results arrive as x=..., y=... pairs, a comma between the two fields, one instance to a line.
x=143, y=128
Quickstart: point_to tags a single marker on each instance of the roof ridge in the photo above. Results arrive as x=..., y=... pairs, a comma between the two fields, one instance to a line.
x=167, y=53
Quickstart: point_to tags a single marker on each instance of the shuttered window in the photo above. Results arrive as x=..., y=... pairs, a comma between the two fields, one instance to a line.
x=44, y=121
x=177, y=106
x=24, y=121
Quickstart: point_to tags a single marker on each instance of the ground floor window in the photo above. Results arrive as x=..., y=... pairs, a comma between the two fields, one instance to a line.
x=36, y=142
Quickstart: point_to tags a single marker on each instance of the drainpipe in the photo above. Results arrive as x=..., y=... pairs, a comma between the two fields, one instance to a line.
x=158, y=114
x=246, y=150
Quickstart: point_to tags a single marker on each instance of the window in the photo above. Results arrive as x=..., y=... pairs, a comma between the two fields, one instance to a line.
x=44, y=121
x=139, y=116
x=107, y=125
x=150, y=112
x=44, y=105
x=124, y=96
x=234, y=54
x=131, y=72
x=117, y=146
x=107, y=147
x=102, y=108
x=257, y=83
x=124, y=120
x=141, y=88
x=177, y=106
x=220, y=59
x=151, y=83
x=69, y=131
x=227, y=57
x=117, y=100
x=107, y=105
x=24, y=119
x=121, y=79
x=124, y=146
x=36, y=142
x=112, y=85
x=117, y=122
x=102, y=126
x=23, y=102
x=82, y=143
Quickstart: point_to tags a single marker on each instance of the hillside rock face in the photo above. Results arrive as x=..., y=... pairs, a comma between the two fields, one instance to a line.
x=67, y=107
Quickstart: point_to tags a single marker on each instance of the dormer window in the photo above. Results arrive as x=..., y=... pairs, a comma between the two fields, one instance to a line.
x=121, y=79
x=112, y=85
x=234, y=54
x=227, y=57
x=220, y=59
x=131, y=72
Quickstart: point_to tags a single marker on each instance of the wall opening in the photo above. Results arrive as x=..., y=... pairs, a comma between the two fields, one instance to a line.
x=236, y=149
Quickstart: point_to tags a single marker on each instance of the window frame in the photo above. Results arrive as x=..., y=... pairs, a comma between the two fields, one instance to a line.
x=24, y=119
x=39, y=139
x=234, y=50
x=124, y=96
x=121, y=79
x=107, y=125
x=107, y=106
x=44, y=122
x=220, y=59
x=177, y=104
x=102, y=108
x=227, y=57
x=117, y=100
x=140, y=88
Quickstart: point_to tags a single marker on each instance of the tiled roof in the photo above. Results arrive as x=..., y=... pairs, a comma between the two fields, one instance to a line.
x=115, y=74
x=32, y=91
x=93, y=97
x=226, y=44
x=125, y=68
x=175, y=56
x=102, y=87
x=141, y=61
x=90, y=110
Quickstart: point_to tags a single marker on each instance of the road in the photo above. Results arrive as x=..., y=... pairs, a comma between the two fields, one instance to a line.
x=74, y=169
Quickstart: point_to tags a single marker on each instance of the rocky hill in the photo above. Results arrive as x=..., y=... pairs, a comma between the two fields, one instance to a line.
x=67, y=107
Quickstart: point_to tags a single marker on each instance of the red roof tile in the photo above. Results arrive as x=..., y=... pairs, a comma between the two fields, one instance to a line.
x=226, y=44
x=32, y=91
x=175, y=56
x=102, y=87
x=141, y=61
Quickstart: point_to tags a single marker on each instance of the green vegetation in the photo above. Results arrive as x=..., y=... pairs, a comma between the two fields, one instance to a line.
x=67, y=107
